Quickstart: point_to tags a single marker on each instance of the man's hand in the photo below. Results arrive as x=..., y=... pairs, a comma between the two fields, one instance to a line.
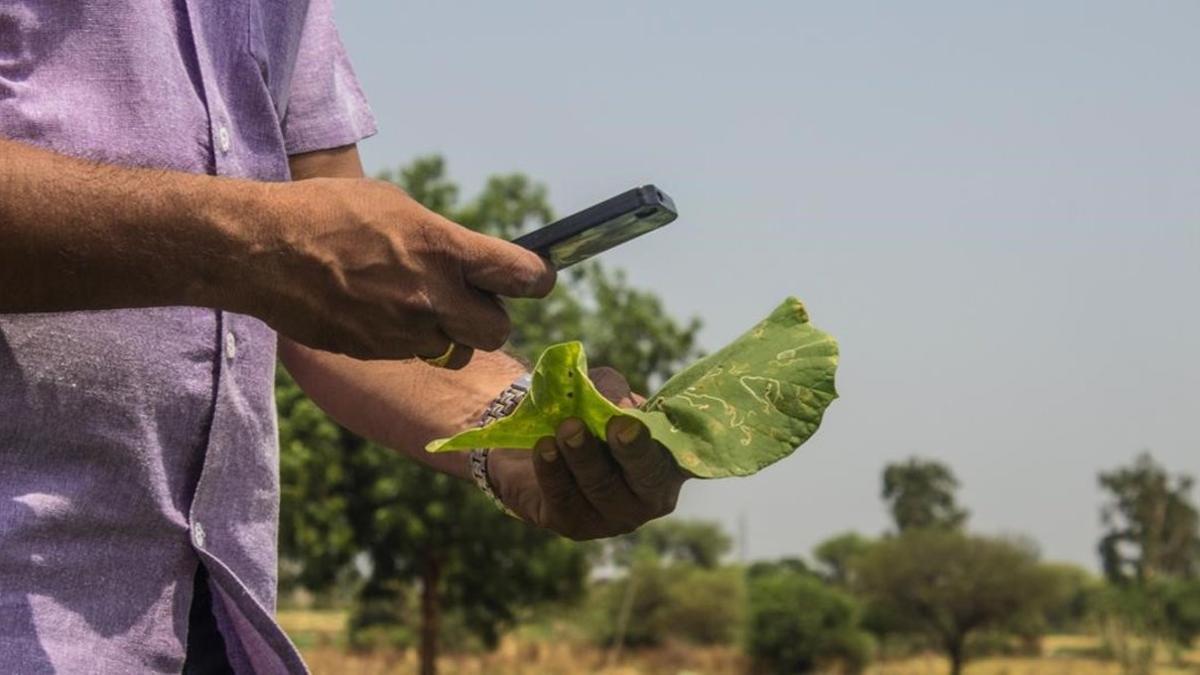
x=356, y=266
x=586, y=488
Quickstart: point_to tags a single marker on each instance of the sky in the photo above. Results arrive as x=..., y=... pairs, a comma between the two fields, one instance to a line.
x=995, y=208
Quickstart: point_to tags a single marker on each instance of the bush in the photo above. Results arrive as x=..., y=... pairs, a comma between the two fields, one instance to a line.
x=798, y=624
x=681, y=602
x=1134, y=621
x=705, y=606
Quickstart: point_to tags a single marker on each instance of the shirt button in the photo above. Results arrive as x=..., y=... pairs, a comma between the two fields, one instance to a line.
x=198, y=535
x=223, y=142
x=230, y=346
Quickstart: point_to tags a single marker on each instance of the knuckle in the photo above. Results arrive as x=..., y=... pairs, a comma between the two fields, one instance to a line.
x=558, y=493
x=599, y=483
x=650, y=477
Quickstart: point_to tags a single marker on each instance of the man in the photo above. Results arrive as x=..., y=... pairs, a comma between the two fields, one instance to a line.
x=179, y=193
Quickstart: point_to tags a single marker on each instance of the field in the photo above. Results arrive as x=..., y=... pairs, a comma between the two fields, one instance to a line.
x=319, y=636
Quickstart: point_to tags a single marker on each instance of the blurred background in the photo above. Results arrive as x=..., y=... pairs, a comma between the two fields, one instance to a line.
x=994, y=207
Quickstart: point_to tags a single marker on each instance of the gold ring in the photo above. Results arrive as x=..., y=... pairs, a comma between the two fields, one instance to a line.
x=441, y=361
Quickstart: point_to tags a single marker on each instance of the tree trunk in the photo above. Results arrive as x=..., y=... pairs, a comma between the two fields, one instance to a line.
x=430, y=615
x=956, y=650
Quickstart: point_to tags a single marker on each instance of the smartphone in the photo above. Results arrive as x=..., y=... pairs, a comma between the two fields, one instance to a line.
x=598, y=228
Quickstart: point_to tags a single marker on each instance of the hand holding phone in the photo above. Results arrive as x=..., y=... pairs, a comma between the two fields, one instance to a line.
x=601, y=227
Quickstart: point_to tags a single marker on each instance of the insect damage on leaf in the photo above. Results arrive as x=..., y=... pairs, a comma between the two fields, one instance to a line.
x=731, y=413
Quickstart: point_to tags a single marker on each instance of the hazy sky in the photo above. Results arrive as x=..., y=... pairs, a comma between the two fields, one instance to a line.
x=995, y=207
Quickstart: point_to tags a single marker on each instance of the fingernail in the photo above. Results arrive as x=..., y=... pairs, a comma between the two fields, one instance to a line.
x=628, y=430
x=549, y=455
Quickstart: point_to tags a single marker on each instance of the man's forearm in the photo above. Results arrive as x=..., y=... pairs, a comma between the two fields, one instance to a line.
x=75, y=235
x=402, y=404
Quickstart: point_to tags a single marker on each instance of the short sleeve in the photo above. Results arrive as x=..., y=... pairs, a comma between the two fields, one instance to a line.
x=326, y=107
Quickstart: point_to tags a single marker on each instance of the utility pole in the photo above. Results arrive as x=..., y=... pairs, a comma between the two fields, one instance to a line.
x=743, y=533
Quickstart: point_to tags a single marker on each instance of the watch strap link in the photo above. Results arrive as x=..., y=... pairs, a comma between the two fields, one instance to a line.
x=502, y=406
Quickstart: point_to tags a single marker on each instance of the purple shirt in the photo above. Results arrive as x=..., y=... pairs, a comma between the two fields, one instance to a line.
x=135, y=444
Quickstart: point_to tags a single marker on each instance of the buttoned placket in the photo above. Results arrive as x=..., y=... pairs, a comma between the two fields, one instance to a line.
x=221, y=143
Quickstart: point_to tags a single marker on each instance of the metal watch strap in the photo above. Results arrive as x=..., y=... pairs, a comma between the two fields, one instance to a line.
x=502, y=406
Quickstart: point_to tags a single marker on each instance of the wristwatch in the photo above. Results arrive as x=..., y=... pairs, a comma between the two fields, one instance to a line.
x=502, y=406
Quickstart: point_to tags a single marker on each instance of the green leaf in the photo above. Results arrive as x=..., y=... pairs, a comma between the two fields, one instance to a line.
x=732, y=413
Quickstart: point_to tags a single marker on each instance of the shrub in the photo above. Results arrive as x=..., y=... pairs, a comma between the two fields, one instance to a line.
x=681, y=602
x=705, y=606
x=798, y=624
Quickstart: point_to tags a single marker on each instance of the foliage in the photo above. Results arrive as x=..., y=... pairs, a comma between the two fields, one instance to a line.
x=656, y=602
x=947, y=585
x=1135, y=618
x=838, y=554
x=760, y=568
x=353, y=508
x=1152, y=528
x=799, y=624
x=346, y=497
x=1072, y=597
x=674, y=540
x=920, y=494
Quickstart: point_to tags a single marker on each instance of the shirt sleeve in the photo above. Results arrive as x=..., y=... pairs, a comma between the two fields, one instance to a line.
x=326, y=106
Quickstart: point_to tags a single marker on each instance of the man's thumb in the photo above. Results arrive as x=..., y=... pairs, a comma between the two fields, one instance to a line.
x=499, y=267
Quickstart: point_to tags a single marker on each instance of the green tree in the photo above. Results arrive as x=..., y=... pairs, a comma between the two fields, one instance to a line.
x=675, y=540
x=762, y=568
x=1134, y=620
x=655, y=601
x=920, y=494
x=948, y=586
x=1074, y=591
x=649, y=603
x=799, y=624
x=1151, y=526
x=351, y=507
x=837, y=555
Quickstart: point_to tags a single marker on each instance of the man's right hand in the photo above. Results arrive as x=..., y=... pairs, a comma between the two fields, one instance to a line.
x=358, y=267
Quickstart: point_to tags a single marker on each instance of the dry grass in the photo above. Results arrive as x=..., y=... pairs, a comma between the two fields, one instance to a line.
x=319, y=637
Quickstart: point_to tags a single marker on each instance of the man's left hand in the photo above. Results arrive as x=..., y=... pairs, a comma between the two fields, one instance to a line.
x=584, y=487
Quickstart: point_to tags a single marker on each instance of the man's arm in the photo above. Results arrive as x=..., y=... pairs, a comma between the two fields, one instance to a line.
x=352, y=266
x=400, y=404
x=78, y=236
x=579, y=486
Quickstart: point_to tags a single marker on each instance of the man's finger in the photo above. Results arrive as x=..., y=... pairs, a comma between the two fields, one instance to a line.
x=438, y=345
x=597, y=475
x=559, y=494
x=477, y=320
x=649, y=470
x=496, y=266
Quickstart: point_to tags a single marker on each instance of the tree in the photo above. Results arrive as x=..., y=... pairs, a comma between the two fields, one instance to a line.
x=920, y=494
x=1074, y=591
x=351, y=507
x=643, y=607
x=675, y=540
x=947, y=586
x=798, y=624
x=762, y=568
x=837, y=555
x=1151, y=526
x=679, y=601
x=347, y=498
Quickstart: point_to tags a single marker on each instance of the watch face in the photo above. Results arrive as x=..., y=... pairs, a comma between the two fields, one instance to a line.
x=596, y=240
